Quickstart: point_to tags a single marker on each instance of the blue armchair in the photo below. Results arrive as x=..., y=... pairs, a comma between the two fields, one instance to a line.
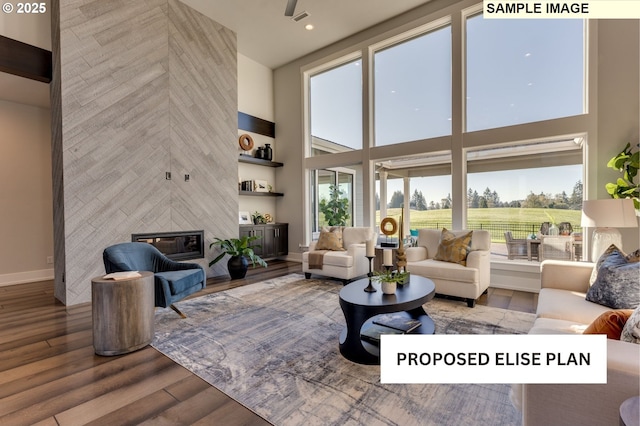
x=173, y=280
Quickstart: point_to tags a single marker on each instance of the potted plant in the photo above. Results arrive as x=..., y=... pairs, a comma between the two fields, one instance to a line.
x=240, y=252
x=626, y=162
x=258, y=218
x=389, y=280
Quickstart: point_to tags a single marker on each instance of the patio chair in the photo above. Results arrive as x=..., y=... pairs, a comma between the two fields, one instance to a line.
x=559, y=247
x=516, y=247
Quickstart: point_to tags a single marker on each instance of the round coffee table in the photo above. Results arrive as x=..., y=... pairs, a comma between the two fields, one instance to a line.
x=360, y=308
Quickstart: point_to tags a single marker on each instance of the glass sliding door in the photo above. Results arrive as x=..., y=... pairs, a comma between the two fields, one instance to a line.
x=333, y=197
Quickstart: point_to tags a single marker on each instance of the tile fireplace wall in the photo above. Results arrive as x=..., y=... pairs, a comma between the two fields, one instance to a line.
x=139, y=89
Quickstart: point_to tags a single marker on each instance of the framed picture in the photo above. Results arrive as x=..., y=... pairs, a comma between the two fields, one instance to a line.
x=261, y=186
x=244, y=218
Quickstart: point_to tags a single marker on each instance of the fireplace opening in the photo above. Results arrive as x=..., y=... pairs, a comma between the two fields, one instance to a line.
x=175, y=245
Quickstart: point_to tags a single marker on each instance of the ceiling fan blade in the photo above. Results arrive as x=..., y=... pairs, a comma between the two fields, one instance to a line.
x=291, y=7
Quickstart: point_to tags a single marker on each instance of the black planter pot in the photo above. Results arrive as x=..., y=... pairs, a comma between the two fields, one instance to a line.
x=237, y=266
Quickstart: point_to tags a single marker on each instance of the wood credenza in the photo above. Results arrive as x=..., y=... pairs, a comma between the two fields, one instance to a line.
x=274, y=238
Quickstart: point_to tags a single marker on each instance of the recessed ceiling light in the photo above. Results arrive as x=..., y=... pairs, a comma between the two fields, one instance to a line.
x=308, y=27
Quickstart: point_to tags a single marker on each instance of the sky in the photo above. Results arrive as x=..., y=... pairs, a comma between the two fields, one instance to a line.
x=518, y=71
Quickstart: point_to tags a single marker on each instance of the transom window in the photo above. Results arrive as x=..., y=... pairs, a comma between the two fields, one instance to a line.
x=522, y=71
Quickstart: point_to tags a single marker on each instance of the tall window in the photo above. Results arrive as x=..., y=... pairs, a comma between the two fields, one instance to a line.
x=336, y=109
x=521, y=71
x=413, y=89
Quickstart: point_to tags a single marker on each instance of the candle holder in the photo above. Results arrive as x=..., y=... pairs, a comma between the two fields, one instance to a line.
x=370, y=288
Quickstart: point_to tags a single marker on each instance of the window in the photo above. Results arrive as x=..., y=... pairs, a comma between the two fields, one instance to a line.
x=518, y=188
x=336, y=109
x=503, y=74
x=413, y=89
x=521, y=71
x=425, y=181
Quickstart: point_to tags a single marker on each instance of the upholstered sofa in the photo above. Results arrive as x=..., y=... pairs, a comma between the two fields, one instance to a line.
x=563, y=309
x=453, y=279
x=345, y=264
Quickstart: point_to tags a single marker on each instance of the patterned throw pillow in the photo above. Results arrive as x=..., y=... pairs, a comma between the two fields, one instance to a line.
x=453, y=249
x=617, y=285
x=631, y=330
x=603, y=256
x=330, y=239
x=610, y=323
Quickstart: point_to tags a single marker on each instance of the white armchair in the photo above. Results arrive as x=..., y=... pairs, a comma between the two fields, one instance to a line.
x=465, y=281
x=344, y=265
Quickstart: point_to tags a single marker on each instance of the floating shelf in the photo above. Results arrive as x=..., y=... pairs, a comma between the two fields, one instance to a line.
x=261, y=194
x=252, y=160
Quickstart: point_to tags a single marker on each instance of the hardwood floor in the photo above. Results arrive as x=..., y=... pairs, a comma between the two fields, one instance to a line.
x=49, y=374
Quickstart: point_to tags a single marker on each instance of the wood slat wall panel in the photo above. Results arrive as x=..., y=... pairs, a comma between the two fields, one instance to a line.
x=144, y=88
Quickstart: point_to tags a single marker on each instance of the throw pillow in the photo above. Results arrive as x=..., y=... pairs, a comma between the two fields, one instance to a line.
x=330, y=239
x=453, y=249
x=617, y=285
x=631, y=330
x=633, y=257
x=610, y=323
x=603, y=256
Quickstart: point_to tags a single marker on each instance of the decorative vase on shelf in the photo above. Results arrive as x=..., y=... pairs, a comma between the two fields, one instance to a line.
x=260, y=153
x=268, y=152
x=553, y=230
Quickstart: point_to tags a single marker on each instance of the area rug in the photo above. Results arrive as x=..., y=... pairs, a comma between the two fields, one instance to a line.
x=273, y=347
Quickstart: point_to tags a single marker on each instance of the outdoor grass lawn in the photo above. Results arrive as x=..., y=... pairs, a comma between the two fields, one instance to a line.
x=500, y=218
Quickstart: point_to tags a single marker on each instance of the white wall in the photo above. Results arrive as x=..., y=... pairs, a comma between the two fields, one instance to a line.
x=33, y=28
x=618, y=105
x=26, y=223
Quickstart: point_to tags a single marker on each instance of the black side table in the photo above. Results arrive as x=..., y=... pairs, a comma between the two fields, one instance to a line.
x=359, y=308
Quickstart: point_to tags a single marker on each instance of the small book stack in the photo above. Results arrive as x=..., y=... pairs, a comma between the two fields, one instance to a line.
x=248, y=185
x=389, y=324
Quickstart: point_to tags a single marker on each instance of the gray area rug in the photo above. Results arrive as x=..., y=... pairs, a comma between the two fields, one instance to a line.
x=273, y=347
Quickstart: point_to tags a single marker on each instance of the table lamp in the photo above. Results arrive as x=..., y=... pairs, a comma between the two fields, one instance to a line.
x=605, y=216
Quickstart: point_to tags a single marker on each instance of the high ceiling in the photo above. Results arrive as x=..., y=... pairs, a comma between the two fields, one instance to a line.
x=264, y=33
x=272, y=39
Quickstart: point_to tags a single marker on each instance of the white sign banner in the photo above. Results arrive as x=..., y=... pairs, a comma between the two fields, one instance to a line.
x=456, y=358
x=545, y=9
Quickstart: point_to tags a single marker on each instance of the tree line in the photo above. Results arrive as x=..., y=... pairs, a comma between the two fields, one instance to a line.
x=491, y=199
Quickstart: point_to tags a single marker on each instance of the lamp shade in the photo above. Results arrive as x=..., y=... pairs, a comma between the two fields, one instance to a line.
x=609, y=213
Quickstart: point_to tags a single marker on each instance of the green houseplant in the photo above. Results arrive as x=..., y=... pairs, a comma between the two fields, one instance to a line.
x=241, y=252
x=336, y=209
x=627, y=162
x=390, y=279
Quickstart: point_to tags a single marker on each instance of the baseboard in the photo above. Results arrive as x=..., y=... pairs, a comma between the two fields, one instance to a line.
x=26, y=277
x=293, y=257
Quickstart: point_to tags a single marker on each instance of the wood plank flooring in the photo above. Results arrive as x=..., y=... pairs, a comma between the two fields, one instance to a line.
x=49, y=374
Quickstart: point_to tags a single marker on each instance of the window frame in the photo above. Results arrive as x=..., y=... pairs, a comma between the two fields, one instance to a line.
x=460, y=140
